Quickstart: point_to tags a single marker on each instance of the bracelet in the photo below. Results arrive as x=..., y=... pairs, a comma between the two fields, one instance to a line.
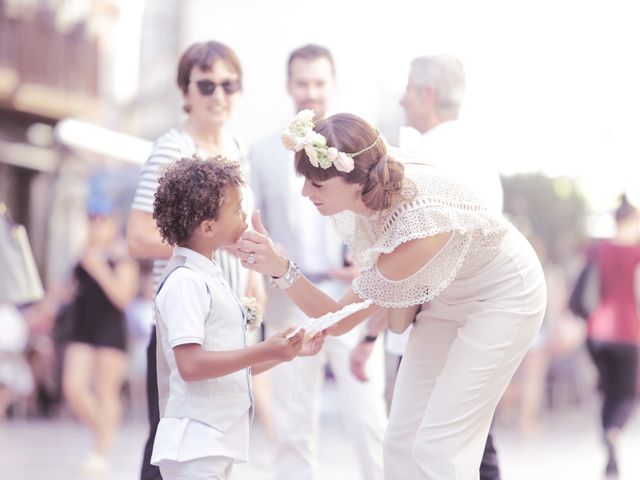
x=289, y=278
x=369, y=338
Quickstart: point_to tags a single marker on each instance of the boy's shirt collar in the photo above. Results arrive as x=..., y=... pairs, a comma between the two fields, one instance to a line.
x=206, y=263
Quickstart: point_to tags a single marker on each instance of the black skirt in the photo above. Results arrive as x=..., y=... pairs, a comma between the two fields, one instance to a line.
x=97, y=321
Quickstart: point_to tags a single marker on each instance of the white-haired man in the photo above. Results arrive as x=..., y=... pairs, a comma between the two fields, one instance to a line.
x=432, y=103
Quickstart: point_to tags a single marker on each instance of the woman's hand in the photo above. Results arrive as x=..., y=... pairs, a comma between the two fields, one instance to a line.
x=313, y=345
x=257, y=252
x=358, y=360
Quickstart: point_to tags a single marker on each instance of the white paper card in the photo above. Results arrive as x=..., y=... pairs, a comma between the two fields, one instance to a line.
x=315, y=325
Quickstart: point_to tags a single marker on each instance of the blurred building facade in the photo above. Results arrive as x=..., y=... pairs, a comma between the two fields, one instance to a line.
x=106, y=63
x=111, y=63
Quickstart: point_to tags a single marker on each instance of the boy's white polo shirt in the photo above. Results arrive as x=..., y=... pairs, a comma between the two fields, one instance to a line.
x=184, y=304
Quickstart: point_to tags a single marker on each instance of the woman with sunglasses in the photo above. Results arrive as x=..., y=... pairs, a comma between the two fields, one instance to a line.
x=210, y=79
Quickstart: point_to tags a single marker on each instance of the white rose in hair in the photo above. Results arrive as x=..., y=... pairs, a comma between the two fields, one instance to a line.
x=309, y=137
x=312, y=153
x=301, y=123
x=318, y=140
x=305, y=117
x=332, y=154
x=343, y=163
x=302, y=139
x=300, y=143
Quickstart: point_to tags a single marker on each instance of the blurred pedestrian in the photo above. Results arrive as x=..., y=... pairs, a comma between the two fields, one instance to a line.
x=614, y=326
x=95, y=360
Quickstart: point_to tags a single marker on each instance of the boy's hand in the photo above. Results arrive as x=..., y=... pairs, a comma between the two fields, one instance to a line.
x=358, y=360
x=284, y=348
x=313, y=345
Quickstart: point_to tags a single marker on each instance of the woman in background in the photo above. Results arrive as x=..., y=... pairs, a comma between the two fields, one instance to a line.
x=614, y=326
x=95, y=360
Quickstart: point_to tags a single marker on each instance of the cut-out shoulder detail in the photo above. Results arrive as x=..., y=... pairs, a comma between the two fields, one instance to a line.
x=437, y=204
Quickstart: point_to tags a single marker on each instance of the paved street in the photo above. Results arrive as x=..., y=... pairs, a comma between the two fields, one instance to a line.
x=567, y=449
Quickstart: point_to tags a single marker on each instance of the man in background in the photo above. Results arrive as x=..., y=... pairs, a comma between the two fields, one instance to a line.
x=309, y=240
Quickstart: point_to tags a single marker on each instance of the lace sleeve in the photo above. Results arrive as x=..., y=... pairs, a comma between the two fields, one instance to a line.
x=438, y=204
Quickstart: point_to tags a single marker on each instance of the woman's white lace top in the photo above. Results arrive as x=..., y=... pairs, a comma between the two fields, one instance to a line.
x=435, y=204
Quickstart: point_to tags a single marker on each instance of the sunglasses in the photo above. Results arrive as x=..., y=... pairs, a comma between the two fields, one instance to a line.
x=207, y=87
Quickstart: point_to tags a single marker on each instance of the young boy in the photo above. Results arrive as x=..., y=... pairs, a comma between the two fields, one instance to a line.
x=204, y=363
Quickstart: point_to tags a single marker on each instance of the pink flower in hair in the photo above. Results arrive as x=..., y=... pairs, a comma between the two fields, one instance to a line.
x=289, y=141
x=343, y=163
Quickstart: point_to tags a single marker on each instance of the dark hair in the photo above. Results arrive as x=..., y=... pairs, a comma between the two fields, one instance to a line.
x=310, y=52
x=380, y=175
x=191, y=191
x=625, y=209
x=204, y=55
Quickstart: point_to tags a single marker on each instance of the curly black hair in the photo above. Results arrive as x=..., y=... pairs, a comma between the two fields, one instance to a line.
x=190, y=191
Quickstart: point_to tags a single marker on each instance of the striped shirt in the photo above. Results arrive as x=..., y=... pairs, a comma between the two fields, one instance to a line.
x=170, y=147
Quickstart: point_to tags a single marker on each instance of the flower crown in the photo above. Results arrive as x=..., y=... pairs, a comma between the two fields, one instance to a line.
x=300, y=135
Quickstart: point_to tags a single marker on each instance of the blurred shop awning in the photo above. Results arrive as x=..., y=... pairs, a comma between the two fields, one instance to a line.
x=29, y=156
x=88, y=138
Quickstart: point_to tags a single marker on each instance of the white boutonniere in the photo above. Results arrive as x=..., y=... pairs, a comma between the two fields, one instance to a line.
x=252, y=312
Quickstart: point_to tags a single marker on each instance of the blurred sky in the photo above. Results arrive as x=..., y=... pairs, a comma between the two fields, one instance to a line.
x=552, y=84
